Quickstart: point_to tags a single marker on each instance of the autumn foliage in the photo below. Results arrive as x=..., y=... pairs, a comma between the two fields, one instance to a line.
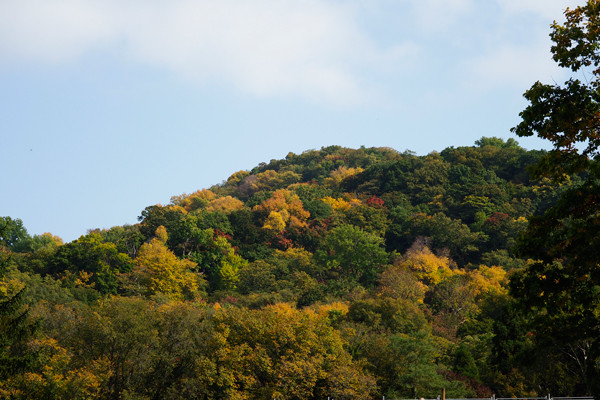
x=348, y=274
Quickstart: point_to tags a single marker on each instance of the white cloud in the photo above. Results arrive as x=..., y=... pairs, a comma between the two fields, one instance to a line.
x=440, y=15
x=52, y=31
x=312, y=49
x=266, y=47
x=548, y=9
x=325, y=51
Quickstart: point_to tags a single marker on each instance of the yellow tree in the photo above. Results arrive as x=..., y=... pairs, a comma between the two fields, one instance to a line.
x=488, y=281
x=267, y=180
x=429, y=268
x=290, y=354
x=158, y=270
x=338, y=204
x=237, y=177
x=337, y=176
x=57, y=378
x=283, y=209
x=190, y=202
x=225, y=204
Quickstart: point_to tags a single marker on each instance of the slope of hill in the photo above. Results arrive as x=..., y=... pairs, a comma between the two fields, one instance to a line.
x=336, y=272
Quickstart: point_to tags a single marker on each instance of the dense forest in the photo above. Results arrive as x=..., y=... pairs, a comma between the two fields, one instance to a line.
x=336, y=273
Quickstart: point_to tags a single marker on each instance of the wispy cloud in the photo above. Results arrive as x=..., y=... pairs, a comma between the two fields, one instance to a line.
x=53, y=31
x=266, y=48
x=311, y=49
x=549, y=9
x=435, y=16
x=322, y=51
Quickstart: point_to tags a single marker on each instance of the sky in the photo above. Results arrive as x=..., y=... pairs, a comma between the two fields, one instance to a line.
x=110, y=106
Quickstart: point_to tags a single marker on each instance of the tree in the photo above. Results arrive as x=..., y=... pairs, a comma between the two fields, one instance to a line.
x=225, y=204
x=336, y=177
x=16, y=329
x=198, y=199
x=128, y=238
x=406, y=365
x=290, y=354
x=12, y=232
x=401, y=283
x=497, y=142
x=283, y=209
x=562, y=289
x=429, y=268
x=154, y=216
x=37, y=243
x=569, y=115
x=353, y=254
x=91, y=254
x=443, y=231
x=54, y=378
x=120, y=333
x=217, y=258
x=158, y=270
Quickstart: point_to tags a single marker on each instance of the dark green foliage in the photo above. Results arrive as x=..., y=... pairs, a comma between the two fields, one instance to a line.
x=16, y=329
x=311, y=197
x=154, y=216
x=445, y=234
x=384, y=177
x=350, y=252
x=464, y=362
x=248, y=237
x=560, y=292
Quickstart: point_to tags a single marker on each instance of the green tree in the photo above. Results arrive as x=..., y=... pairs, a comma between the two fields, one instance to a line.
x=38, y=243
x=128, y=238
x=569, y=115
x=562, y=289
x=248, y=237
x=154, y=216
x=406, y=364
x=91, y=254
x=16, y=329
x=12, y=232
x=353, y=254
x=497, y=142
x=464, y=362
x=447, y=233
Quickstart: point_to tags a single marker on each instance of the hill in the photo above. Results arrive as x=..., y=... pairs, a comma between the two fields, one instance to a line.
x=336, y=272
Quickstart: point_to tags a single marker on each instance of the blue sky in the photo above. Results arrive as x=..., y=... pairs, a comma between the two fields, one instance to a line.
x=109, y=106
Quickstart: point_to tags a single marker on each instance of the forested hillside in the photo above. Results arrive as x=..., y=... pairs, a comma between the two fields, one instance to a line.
x=336, y=273
x=340, y=273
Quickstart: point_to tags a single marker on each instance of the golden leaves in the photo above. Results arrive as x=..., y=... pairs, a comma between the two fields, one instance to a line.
x=283, y=209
